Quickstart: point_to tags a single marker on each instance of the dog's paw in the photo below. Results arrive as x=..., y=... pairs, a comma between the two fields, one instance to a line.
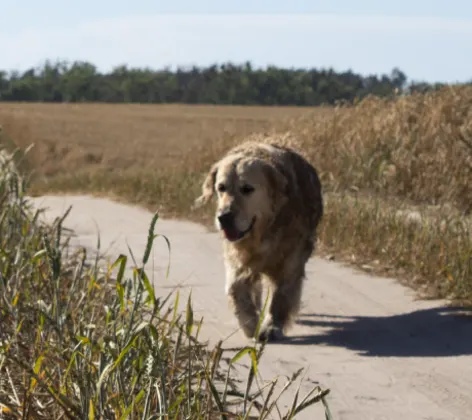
x=271, y=334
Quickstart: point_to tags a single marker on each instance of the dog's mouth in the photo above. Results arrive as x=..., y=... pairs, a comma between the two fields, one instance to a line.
x=232, y=234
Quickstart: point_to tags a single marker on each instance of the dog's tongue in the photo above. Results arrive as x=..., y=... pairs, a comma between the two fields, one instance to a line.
x=231, y=234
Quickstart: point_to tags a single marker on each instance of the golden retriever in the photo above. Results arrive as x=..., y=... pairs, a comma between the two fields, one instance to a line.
x=269, y=206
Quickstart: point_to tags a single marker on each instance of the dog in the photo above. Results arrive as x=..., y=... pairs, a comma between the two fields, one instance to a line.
x=269, y=205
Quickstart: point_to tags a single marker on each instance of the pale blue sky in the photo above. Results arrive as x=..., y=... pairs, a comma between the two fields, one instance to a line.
x=429, y=40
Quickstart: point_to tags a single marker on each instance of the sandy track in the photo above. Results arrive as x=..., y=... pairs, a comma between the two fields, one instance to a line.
x=383, y=354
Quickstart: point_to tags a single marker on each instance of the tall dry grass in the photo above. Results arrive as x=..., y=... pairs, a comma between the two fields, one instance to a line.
x=417, y=148
x=398, y=174
x=379, y=161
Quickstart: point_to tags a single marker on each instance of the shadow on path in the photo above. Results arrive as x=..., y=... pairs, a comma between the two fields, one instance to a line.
x=437, y=332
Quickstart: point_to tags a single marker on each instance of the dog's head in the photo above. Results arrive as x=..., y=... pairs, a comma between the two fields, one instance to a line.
x=250, y=192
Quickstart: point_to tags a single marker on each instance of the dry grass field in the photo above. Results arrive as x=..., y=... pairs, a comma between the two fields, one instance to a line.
x=397, y=174
x=148, y=154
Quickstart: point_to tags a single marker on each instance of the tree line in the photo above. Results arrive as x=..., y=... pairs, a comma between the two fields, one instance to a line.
x=228, y=83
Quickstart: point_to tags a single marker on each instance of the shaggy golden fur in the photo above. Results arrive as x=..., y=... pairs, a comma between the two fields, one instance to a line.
x=269, y=207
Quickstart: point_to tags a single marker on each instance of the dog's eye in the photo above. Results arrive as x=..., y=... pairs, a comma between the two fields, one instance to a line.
x=246, y=189
x=221, y=188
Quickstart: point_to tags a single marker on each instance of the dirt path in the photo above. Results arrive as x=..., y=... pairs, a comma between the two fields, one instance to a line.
x=383, y=354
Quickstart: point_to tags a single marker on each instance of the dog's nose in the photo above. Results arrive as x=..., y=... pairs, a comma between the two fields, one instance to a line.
x=226, y=219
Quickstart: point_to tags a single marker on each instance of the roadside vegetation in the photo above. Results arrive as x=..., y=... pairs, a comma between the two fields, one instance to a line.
x=398, y=178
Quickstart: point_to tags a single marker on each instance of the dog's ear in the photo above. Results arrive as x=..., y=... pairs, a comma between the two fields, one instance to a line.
x=278, y=184
x=208, y=187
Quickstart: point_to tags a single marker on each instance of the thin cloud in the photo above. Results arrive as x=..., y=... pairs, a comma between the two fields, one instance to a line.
x=286, y=22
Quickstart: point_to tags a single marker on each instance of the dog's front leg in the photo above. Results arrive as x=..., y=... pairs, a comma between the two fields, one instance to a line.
x=284, y=305
x=243, y=298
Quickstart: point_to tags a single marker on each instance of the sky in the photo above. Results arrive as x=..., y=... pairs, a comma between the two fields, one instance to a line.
x=428, y=40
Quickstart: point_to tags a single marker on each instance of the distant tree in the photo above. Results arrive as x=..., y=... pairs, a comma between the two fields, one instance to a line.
x=398, y=79
x=4, y=84
x=80, y=83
